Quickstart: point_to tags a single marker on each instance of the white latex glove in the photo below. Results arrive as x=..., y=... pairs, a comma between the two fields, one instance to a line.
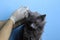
x=19, y=14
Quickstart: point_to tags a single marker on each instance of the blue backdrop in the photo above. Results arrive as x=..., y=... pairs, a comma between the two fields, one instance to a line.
x=49, y=7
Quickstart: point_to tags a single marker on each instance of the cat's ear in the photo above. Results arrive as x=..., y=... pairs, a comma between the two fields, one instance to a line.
x=42, y=17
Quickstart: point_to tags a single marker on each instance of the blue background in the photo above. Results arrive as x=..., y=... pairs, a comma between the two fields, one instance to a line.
x=49, y=7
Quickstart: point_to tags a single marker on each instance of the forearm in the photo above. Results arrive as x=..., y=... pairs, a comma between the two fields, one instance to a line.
x=6, y=30
x=18, y=23
x=2, y=24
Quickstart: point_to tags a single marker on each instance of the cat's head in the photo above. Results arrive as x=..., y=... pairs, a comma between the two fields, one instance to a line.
x=36, y=20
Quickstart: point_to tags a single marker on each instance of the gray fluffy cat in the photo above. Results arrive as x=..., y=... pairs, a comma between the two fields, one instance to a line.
x=33, y=26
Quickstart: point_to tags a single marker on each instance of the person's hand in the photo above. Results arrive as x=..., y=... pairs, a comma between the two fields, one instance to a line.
x=19, y=14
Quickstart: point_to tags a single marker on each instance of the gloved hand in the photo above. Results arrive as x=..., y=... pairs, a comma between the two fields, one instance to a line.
x=19, y=14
